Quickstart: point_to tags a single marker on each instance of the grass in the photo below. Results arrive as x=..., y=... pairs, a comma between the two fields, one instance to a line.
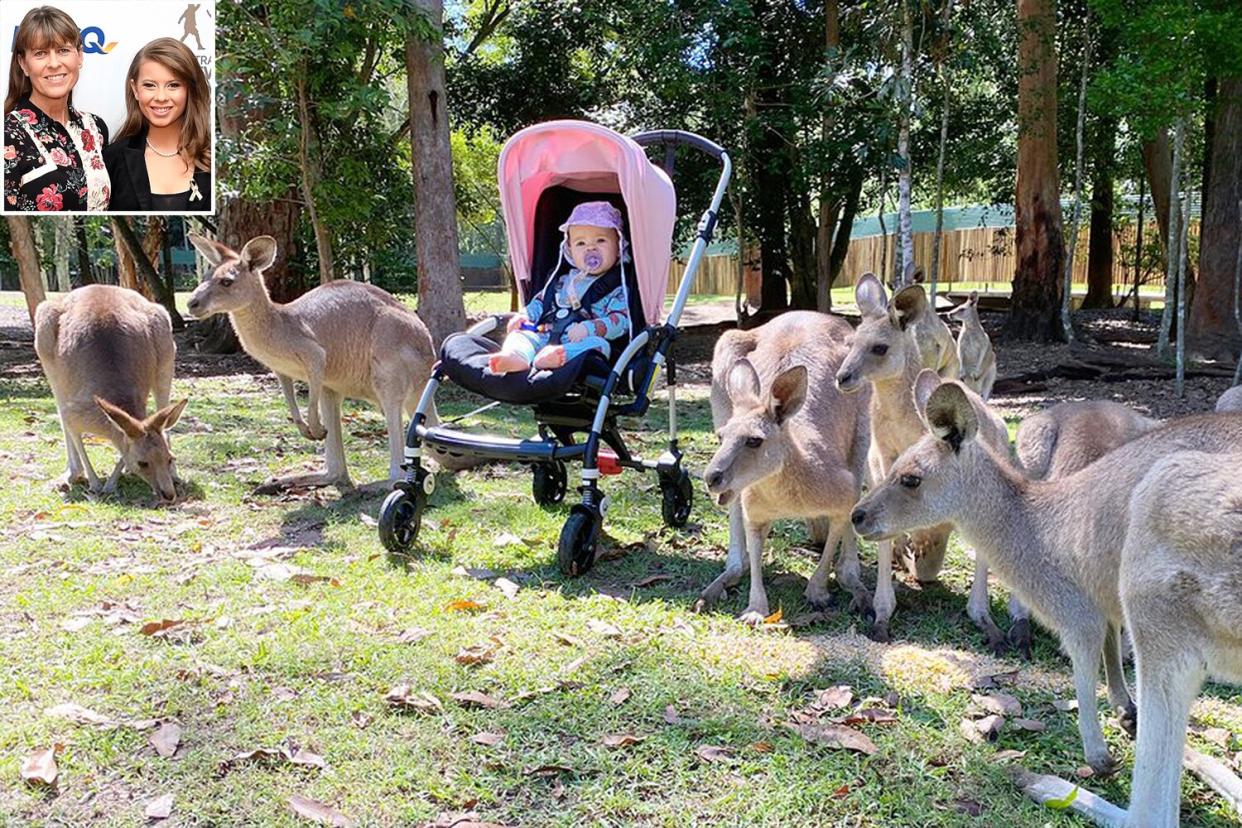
x=259, y=660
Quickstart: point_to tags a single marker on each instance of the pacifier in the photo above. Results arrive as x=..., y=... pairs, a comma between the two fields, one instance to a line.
x=593, y=260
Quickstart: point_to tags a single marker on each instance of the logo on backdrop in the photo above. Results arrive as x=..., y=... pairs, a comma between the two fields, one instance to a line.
x=94, y=42
x=191, y=25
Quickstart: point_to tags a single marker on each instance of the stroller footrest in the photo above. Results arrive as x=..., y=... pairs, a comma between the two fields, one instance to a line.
x=503, y=448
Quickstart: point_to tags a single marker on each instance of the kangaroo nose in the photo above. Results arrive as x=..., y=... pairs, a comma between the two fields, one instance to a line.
x=844, y=378
x=193, y=304
x=857, y=517
x=714, y=479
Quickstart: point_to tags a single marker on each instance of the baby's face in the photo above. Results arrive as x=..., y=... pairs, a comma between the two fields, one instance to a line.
x=593, y=249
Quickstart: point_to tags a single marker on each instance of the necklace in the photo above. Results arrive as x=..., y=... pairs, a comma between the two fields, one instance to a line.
x=172, y=154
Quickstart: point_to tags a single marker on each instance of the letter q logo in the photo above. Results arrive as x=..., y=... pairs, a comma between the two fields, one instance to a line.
x=94, y=42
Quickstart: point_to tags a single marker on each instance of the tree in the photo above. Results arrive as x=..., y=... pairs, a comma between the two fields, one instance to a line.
x=1212, y=329
x=905, y=232
x=1104, y=168
x=21, y=237
x=1040, y=249
x=435, y=212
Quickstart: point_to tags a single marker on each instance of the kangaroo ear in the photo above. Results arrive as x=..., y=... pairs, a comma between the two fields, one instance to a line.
x=212, y=250
x=908, y=305
x=928, y=381
x=788, y=393
x=974, y=297
x=743, y=381
x=950, y=416
x=870, y=296
x=259, y=253
x=166, y=417
x=121, y=418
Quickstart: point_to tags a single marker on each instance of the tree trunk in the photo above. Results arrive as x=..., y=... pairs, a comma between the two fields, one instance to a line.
x=154, y=245
x=64, y=241
x=126, y=265
x=1212, y=332
x=1036, y=300
x=1158, y=164
x=143, y=274
x=1170, y=272
x=841, y=240
x=829, y=205
x=942, y=60
x=85, y=275
x=26, y=254
x=1100, y=244
x=1179, y=380
x=435, y=207
x=905, y=275
x=312, y=172
x=802, y=233
x=1067, y=297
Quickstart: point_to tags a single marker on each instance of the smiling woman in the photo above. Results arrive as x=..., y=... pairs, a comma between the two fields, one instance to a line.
x=52, y=151
x=161, y=159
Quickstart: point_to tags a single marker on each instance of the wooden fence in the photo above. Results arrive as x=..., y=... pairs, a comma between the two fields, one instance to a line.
x=984, y=254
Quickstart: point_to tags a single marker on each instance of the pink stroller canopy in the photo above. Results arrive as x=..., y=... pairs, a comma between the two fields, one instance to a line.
x=588, y=157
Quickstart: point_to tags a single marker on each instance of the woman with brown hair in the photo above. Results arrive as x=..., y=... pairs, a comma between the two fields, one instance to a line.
x=161, y=157
x=52, y=151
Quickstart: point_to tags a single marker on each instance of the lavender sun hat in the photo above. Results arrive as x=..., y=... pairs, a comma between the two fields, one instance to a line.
x=595, y=214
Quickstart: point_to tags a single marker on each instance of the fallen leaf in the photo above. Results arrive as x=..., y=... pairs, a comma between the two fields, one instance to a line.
x=40, y=766
x=762, y=747
x=869, y=715
x=651, y=579
x=367, y=520
x=836, y=736
x=160, y=807
x=153, y=627
x=507, y=539
x=1002, y=704
x=1032, y=725
x=413, y=635
x=1216, y=735
x=1084, y=772
x=361, y=719
x=806, y=619
x=487, y=738
x=305, y=579
x=166, y=739
x=989, y=727
x=991, y=682
x=400, y=697
x=548, y=770
x=567, y=640
x=621, y=696
x=473, y=698
x=841, y=792
x=670, y=715
x=1065, y=705
x=78, y=714
x=477, y=654
x=775, y=617
x=618, y=740
x=318, y=812
x=76, y=624
x=300, y=756
x=509, y=588
x=968, y=807
x=604, y=628
x=835, y=697
x=1007, y=755
x=478, y=573
x=713, y=753
x=463, y=606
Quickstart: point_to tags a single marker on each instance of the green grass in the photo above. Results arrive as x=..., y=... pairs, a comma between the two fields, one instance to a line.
x=266, y=660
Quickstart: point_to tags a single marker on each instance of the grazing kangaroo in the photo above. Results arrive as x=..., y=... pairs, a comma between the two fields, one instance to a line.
x=885, y=355
x=1180, y=570
x=105, y=350
x=1069, y=436
x=344, y=339
x=974, y=349
x=1231, y=400
x=791, y=446
x=1057, y=543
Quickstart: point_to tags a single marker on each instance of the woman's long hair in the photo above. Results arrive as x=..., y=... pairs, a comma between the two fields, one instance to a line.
x=43, y=27
x=195, y=142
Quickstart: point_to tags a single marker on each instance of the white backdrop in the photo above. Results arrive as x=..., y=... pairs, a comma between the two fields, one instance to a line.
x=112, y=33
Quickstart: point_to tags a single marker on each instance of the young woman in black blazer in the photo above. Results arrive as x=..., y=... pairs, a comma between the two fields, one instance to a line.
x=160, y=159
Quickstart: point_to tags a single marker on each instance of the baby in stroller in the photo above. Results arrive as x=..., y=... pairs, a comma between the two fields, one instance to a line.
x=579, y=311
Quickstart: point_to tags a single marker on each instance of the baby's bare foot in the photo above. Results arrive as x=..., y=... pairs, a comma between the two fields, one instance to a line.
x=550, y=357
x=504, y=363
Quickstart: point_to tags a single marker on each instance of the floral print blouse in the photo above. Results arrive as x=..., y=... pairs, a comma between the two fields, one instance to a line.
x=63, y=171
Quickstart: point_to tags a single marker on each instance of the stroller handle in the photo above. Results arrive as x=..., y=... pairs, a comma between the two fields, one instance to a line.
x=669, y=137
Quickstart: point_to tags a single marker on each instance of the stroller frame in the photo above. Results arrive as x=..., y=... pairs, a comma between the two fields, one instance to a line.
x=561, y=419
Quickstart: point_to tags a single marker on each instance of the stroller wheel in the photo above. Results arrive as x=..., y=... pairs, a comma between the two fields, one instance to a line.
x=400, y=518
x=549, y=483
x=678, y=498
x=576, y=551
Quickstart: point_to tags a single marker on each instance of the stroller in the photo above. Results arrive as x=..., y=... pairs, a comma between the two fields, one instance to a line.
x=544, y=172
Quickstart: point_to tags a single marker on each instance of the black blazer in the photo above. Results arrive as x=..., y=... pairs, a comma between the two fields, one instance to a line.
x=131, y=189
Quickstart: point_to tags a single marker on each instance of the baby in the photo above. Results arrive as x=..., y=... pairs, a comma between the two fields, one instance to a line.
x=578, y=311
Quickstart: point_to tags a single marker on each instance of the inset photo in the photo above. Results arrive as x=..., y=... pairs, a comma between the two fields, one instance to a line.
x=108, y=106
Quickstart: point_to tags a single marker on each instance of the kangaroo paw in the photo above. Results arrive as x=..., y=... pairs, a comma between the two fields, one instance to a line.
x=1020, y=638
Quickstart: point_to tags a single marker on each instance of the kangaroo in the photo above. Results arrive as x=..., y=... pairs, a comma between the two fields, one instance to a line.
x=885, y=356
x=1056, y=543
x=344, y=339
x=1231, y=400
x=105, y=350
x=935, y=340
x=974, y=349
x=791, y=445
x=1180, y=570
x=1069, y=436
